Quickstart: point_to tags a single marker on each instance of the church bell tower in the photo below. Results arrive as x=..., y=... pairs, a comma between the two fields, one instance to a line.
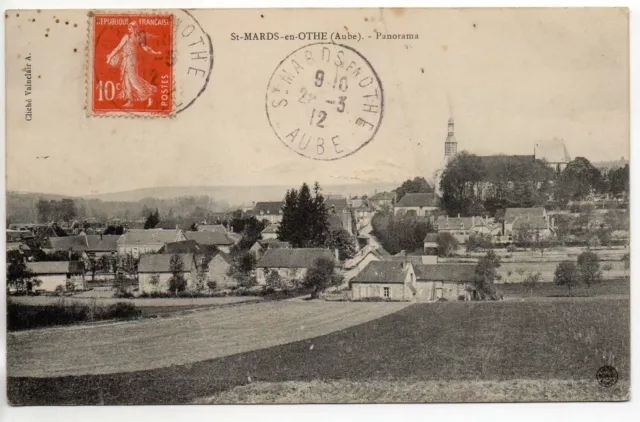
x=450, y=144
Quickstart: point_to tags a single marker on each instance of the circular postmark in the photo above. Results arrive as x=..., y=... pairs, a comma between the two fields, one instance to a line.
x=607, y=376
x=193, y=60
x=325, y=101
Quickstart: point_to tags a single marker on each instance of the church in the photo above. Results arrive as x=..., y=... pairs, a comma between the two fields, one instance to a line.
x=554, y=152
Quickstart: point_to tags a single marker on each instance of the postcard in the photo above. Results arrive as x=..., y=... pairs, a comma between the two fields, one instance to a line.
x=213, y=206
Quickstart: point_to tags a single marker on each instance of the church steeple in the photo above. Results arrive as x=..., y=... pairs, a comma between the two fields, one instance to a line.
x=450, y=144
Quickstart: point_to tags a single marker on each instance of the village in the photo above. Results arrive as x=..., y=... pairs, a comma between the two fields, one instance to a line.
x=448, y=236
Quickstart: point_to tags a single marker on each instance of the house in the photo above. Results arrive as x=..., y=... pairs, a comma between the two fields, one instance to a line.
x=362, y=259
x=290, y=264
x=444, y=281
x=222, y=241
x=430, y=246
x=364, y=212
x=554, y=152
x=535, y=220
x=77, y=244
x=155, y=271
x=270, y=211
x=23, y=236
x=385, y=280
x=382, y=200
x=270, y=232
x=463, y=227
x=136, y=242
x=261, y=246
x=418, y=204
x=182, y=247
x=219, y=228
x=217, y=270
x=58, y=273
x=100, y=245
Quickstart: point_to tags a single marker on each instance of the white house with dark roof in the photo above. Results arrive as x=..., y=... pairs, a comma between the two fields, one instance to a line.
x=554, y=152
x=270, y=232
x=444, y=281
x=58, y=273
x=419, y=204
x=463, y=227
x=137, y=242
x=534, y=219
x=154, y=272
x=385, y=280
x=268, y=210
x=381, y=200
x=291, y=265
x=222, y=241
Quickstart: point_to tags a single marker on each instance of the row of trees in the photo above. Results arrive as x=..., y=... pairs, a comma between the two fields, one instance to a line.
x=398, y=233
x=473, y=185
x=305, y=223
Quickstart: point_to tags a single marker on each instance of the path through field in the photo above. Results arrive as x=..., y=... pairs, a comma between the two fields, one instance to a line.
x=158, y=343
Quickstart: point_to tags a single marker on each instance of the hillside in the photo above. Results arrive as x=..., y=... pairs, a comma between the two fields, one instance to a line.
x=237, y=195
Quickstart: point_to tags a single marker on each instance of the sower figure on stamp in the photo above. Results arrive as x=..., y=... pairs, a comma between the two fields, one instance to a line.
x=125, y=56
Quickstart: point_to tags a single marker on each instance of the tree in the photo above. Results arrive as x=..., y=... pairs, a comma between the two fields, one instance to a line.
x=486, y=273
x=447, y=244
x=152, y=220
x=523, y=236
x=459, y=184
x=19, y=276
x=343, y=242
x=154, y=280
x=619, y=181
x=212, y=285
x=542, y=244
x=577, y=180
x=177, y=282
x=532, y=281
x=251, y=232
x=304, y=218
x=114, y=230
x=274, y=280
x=417, y=185
x=479, y=241
x=566, y=274
x=321, y=275
x=589, y=268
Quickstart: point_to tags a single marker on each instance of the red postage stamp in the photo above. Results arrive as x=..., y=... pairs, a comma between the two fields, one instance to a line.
x=131, y=64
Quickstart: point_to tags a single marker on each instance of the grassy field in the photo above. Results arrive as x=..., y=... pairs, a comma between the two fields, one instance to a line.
x=182, y=339
x=414, y=391
x=562, y=341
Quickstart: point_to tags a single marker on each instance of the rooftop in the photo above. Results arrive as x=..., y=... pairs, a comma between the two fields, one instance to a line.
x=445, y=272
x=161, y=263
x=382, y=272
x=418, y=200
x=293, y=258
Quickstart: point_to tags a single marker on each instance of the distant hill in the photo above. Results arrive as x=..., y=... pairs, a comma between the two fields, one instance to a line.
x=178, y=201
x=611, y=165
x=237, y=196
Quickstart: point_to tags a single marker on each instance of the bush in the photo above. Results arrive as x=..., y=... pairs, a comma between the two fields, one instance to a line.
x=511, y=248
x=23, y=317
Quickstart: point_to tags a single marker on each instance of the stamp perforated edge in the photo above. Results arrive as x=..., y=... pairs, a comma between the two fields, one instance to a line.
x=89, y=74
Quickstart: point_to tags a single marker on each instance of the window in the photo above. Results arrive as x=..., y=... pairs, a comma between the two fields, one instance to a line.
x=386, y=292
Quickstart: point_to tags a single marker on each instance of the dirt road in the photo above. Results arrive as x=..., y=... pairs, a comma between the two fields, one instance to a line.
x=157, y=343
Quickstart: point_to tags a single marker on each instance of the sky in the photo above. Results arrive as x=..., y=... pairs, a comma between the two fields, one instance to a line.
x=508, y=77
